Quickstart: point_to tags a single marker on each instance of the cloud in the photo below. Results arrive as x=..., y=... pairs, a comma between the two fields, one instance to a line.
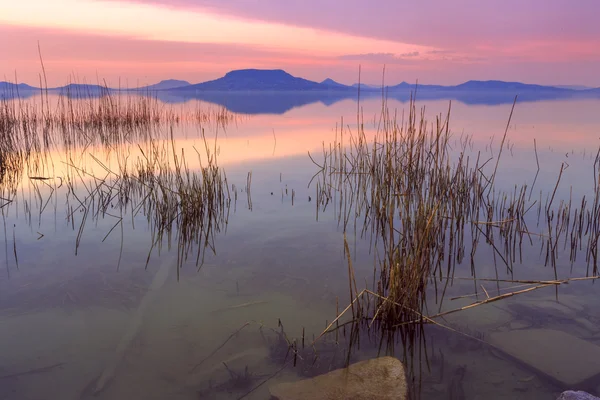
x=495, y=42
x=441, y=52
x=157, y=23
x=448, y=23
x=411, y=54
x=57, y=44
x=65, y=52
x=382, y=58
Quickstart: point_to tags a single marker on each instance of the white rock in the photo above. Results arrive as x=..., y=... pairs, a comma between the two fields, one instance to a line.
x=571, y=395
x=376, y=379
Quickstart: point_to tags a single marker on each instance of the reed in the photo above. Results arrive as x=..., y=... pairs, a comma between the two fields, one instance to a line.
x=427, y=203
x=79, y=128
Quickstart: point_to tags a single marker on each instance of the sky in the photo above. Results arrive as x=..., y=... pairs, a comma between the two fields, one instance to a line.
x=137, y=42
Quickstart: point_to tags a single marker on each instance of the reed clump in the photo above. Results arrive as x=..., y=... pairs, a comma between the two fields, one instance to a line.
x=427, y=205
x=118, y=157
x=180, y=204
x=81, y=116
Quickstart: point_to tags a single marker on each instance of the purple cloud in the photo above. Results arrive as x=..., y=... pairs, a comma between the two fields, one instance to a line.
x=381, y=58
x=439, y=23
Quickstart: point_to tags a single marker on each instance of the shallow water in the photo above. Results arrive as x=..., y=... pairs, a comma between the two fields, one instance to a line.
x=65, y=309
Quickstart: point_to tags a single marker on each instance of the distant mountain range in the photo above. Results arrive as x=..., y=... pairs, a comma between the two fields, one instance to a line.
x=254, y=91
x=278, y=80
x=574, y=87
x=262, y=80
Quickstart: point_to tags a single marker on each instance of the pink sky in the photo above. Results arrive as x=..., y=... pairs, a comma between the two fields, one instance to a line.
x=434, y=41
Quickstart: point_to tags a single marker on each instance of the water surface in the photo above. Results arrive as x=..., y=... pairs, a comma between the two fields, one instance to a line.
x=73, y=281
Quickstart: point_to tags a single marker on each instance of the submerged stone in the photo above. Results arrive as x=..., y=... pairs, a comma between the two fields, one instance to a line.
x=483, y=318
x=376, y=379
x=579, y=395
x=565, y=358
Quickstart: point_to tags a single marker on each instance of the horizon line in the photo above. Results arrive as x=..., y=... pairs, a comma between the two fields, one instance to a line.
x=378, y=86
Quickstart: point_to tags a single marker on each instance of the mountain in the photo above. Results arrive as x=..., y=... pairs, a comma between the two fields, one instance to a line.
x=474, y=86
x=81, y=89
x=506, y=86
x=366, y=86
x=400, y=86
x=412, y=86
x=331, y=83
x=165, y=85
x=262, y=80
x=9, y=86
x=266, y=82
x=573, y=87
x=10, y=90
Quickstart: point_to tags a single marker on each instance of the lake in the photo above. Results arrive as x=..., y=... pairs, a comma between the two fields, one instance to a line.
x=186, y=251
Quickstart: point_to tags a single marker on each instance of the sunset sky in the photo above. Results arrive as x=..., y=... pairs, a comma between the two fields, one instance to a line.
x=433, y=41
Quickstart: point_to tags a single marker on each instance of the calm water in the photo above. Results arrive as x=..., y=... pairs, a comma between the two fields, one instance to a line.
x=68, y=317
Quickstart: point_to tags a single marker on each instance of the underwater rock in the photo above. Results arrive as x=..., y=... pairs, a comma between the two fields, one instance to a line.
x=483, y=318
x=376, y=379
x=566, y=359
x=548, y=313
x=579, y=395
x=217, y=370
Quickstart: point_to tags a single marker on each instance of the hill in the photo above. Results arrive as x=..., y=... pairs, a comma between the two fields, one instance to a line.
x=331, y=83
x=506, y=86
x=165, y=85
x=9, y=86
x=81, y=89
x=278, y=80
x=263, y=80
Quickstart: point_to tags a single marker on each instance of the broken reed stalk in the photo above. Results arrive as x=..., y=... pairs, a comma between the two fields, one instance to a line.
x=421, y=318
x=539, y=285
x=350, y=306
x=368, y=292
x=220, y=347
x=273, y=375
x=31, y=371
x=351, y=277
x=464, y=296
x=490, y=300
x=238, y=306
x=533, y=282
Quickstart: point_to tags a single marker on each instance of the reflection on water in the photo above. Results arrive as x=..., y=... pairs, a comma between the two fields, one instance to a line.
x=273, y=277
x=280, y=102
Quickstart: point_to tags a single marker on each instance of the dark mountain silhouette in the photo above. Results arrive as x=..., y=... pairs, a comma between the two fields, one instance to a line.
x=81, y=90
x=470, y=86
x=279, y=80
x=366, y=86
x=255, y=91
x=506, y=86
x=10, y=90
x=412, y=86
x=257, y=79
x=331, y=83
x=9, y=86
x=574, y=87
x=165, y=85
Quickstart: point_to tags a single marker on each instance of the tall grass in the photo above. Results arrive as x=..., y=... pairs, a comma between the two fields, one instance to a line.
x=79, y=129
x=427, y=207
